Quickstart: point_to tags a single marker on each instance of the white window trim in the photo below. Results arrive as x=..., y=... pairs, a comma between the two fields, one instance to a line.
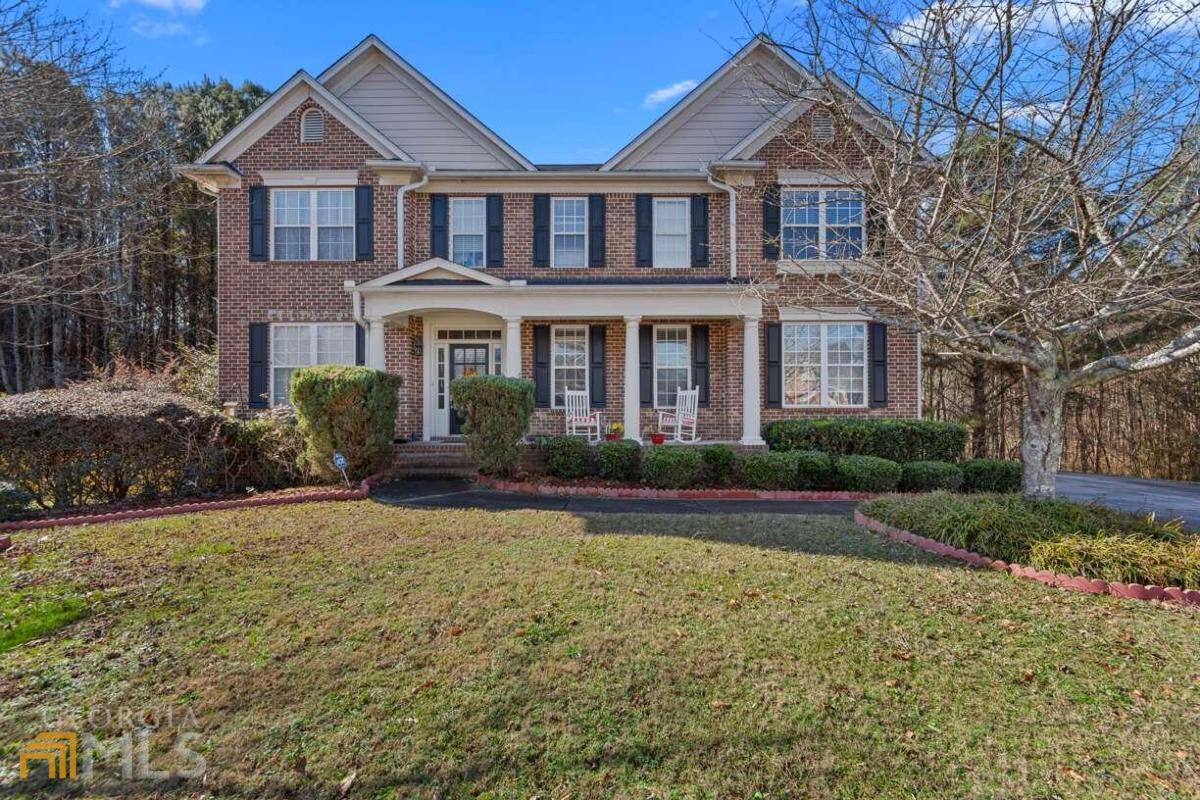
x=822, y=264
x=687, y=228
x=687, y=329
x=312, y=351
x=313, y=227
x=450, y=229
x=586, y=220
x=587, y=354
x=823, y=391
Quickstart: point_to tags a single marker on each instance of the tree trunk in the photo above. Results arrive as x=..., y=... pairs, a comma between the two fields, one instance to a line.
x=979, y=408
x=1042, y=433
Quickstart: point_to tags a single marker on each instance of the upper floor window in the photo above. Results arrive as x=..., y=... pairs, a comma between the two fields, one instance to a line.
x=822, y=223
x=568, y=361
x=672, y=217
x=568, y=242
x=312, y=126
x=824, y=364
x=308, y=221
x=672, y=363
x=295, y=346
x=468, y=226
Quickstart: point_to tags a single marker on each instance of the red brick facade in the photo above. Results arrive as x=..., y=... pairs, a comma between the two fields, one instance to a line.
x=270, y=291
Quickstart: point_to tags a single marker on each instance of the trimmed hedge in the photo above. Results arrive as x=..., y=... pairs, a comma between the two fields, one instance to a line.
x=928, y=476
x=619, y=461
x=496, y=413
x=867, y=474
x=13, y=501
x=811, y=469
x=678, y=467
x=992, y=475
x=568, y=457
x=767, y=471
x=346, y=409
x=898, y=440
x=720, y=464
x=1073, y=538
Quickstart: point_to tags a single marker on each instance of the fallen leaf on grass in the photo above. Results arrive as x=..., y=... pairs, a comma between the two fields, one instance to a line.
x=347, y=782
x=1159, y=781
x=1027, y=675
x=456, y=630
x=901, y=655
x=1072, y=774
x=719, y=704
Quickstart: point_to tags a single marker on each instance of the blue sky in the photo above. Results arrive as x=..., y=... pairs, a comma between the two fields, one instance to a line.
x=562, y=82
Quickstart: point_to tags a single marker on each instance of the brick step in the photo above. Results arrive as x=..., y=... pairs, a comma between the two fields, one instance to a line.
x=433, y=472
x=431, y=459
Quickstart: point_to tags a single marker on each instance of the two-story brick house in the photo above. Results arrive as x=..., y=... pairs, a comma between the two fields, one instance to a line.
x=364, y=216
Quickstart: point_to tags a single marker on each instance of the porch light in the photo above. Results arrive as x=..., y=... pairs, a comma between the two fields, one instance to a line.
x=418, y=346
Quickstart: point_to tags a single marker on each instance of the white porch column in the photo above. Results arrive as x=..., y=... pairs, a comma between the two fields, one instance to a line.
x=512, y=347
x=751, y=382
x=375, y=347
x=633, y=395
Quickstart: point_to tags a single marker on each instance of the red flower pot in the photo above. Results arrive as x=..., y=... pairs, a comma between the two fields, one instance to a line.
x=612, y=437
x=658, y=438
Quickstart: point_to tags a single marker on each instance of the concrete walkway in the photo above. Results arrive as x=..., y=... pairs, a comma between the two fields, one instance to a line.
x=453, y=493
x=1167, y=499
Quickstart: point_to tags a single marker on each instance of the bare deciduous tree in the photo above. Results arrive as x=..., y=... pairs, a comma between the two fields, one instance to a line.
x=1036, y=184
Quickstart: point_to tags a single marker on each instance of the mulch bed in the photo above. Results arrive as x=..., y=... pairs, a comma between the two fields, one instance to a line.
x=1074, y=583
x=598, y=488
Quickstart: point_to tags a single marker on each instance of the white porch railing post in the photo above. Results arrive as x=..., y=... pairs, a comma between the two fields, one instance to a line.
x=751, y=383
x=375, y=346
x=512, y=347
x=633, y=395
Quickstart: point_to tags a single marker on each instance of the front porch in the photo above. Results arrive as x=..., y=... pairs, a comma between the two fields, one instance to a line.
x=441, y=321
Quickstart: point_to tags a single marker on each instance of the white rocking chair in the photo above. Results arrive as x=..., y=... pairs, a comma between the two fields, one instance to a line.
x=683, y=418
x=581, y=420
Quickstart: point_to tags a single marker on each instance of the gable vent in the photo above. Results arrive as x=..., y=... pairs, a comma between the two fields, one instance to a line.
x=822, y=127
x=312, y=126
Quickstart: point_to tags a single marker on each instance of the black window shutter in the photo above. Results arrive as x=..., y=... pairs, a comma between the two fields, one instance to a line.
x=364, y=223
x=541, y=230
x=699, y=230
x=774, y=333
x=770, y=214
x=596, y=379
x=541, y=366
x=258, y=223
x=439, y=226
x=595, y=230
x=646, y=365
x=495, y=230
x=643, y=212
x=360, y=345
x=700, y=361
x=877, y=358
x=259, y=332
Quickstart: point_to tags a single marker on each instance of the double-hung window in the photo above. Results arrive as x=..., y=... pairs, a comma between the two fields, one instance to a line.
x=568, y=361
x=468, y=220
x=672, y=221
x=312, y=224
x=295, y=346
x=569, y=237
x=822, y=224
x=672, y=363
x=824, y=364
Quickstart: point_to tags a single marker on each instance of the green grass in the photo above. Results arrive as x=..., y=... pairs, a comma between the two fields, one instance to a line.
x=459, y=654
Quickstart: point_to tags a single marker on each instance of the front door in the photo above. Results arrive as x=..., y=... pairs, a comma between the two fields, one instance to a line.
x=465, y=360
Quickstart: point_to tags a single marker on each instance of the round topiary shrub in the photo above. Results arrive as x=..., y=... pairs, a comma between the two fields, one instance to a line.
x=720, y=461
x=811, y=469
x=568, y=457
x=345, y=409
x=496, y=413
x=930, y=476
x=991, y=475
x=672, y=467
x=767, y=470
x=867, y=474
x=619, y=461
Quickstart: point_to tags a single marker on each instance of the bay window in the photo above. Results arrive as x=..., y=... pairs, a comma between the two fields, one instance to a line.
x=568, y=361
x=822, y=224
x=294, y=346
x=312, y=222
x=824, y=364
x=568, y=242
x=672, y=220
x=672, y=363
x=468, y=216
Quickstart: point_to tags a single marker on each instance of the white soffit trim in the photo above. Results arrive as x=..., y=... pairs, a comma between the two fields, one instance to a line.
x=431, y=267
x=291, y=177
x=210, y=178
x=374, y=42
x=826, y=314
x=282, y=102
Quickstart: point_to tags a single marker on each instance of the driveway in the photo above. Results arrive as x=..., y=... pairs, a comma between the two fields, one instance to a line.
x=1167, y=499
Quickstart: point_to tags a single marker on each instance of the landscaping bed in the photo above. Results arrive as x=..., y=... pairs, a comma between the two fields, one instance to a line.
x=1057, y=536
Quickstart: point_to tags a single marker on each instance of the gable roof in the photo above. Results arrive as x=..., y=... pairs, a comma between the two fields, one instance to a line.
x=434, y=269
x=282, y=102
x=398, y=66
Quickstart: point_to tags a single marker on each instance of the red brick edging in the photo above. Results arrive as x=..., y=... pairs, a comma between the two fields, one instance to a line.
x=530, y=487
x=1077, y=583
x=315, y=495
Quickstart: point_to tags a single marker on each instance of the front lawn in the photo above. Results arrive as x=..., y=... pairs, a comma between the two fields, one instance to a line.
x=412, y=653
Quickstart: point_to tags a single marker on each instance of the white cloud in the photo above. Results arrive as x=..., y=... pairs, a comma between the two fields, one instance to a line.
x=153, y=29
x=173, y=6
x=660, y=96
